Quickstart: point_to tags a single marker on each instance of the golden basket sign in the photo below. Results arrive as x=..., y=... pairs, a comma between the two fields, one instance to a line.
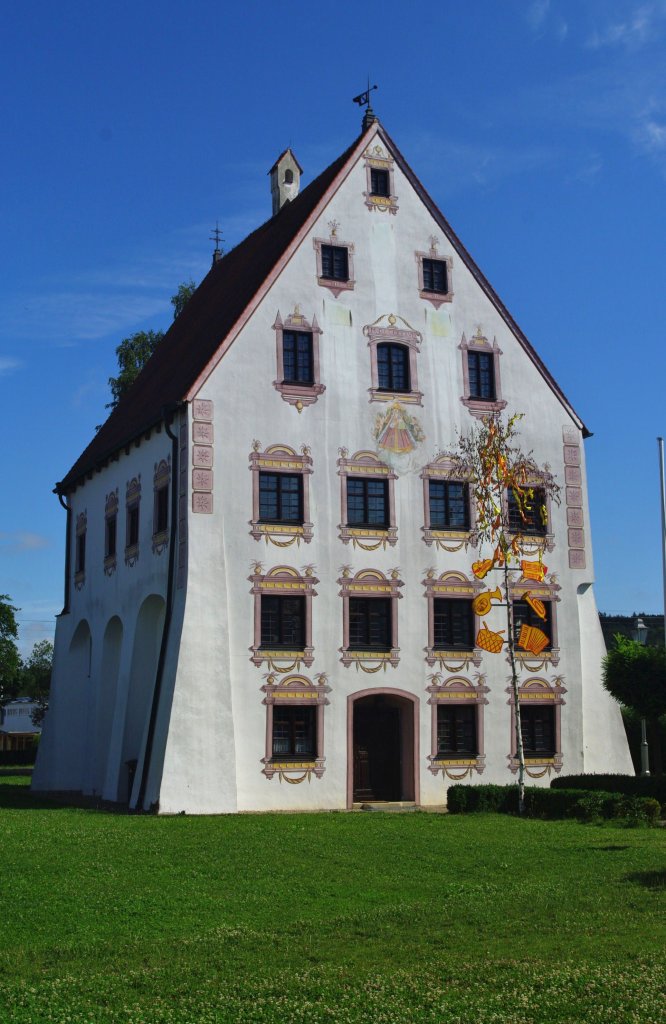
x=489, y=640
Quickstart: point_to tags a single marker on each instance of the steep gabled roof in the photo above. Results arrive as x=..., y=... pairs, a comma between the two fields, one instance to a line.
x=227, y=295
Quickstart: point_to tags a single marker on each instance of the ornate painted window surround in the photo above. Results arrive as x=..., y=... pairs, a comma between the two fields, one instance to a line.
x=283, y=581
x=535, y=543
x=80, y=549
x=539, y=690
x=370, y=583
x=402, y=335
x=435, y=298
x=280, y=458
x=161, y=479
x=366, y=464
x=442, y=468
x=548, y=591
x=335, y=287
x=132, y=505
x=450, y=584
x=457, y=690
x=295, y=689
x=479, y=343
x=376, y=157
x=299, y=395
x=111, y=517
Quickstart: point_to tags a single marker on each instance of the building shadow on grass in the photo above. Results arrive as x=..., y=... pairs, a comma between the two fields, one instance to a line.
x=15, y=794
x=648, y=879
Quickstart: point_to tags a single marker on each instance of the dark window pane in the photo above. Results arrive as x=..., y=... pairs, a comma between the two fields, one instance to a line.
x=530, y=521
x=80, y=552
x=370, y=623
x=283, y=622
x=162, y=509
x=453, y=624
x=524, y=615
x=449, y=505
x=335, y=262
x=110, y=546
x=456, y=730
x=280, y=498
x=392, y=367
x=367, y=502
x=294, y=731
x=538, y=727
x=133, y=526
x=481, y=375
x=435, y=277
x=297, y=358
x=379, y=182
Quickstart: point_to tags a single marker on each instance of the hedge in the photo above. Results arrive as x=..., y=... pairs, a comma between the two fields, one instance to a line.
x=553, y=803
x=629, y=785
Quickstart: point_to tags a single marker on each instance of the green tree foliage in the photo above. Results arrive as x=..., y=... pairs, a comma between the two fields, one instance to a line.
x=134, y=352
x=36, y=678
x=10, y=659
x=636, y=676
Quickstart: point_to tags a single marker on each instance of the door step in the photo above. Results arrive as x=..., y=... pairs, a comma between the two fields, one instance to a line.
x=385, y=805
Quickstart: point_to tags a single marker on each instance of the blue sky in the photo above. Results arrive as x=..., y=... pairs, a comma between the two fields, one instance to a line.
x=130, y=128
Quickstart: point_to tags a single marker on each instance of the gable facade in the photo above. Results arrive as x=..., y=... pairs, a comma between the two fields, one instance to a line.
x=293, y=639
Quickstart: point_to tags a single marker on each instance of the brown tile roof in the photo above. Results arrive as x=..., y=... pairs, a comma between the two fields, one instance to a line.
x=193, y=339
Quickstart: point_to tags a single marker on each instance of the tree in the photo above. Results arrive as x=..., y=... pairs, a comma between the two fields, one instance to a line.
x=36, y=678
x=636, y=676
x=10, y=659
x=134, y=352
x=510, y=494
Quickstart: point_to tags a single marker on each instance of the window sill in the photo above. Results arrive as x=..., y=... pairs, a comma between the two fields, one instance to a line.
x=437, y=299
x=443, y=538
x=378, y=659
x=480, y=407
x=282, y=534
x=461, y=658
x=456, y=767
x=131, y=554
x=110, y=564
x=405, y=397
x=160, y=541
x=335, y=286
x=79, y=579
x=274, y=656
x=369, y=538
x=381, y=203
x=299, y=395
x=279, y=766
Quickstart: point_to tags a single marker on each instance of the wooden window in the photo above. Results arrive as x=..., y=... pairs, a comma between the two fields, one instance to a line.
x=283, y=622
x=529, y=520
x=162, y=509
x=537, y=723
x=481, y=376
x=80, y=550
x=294, y=731
x=456, y=730
x=280, y=498
x=80, y=553
x=110, y=532
x=335, y=262
x=392, y=367
x=435, y=276
x=297, y=358
x=132, y=531
x=453, y=624
x=367, y=502
x=379, y=182
x=448, y=504
x=370, y=623
x=132, y=526
x=524, y=615
x=110, y=536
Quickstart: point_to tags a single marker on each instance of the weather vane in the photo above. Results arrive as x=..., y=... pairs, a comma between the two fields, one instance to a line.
x=363, y=98
x=217, y=238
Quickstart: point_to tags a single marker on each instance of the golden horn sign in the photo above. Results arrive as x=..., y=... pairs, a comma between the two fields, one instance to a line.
x=537, y=606
x=482, y=568
x=481, y=604
x=488, y=640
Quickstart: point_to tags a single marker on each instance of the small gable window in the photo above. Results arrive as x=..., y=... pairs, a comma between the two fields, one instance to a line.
x=435, y=276
x=335, y=262
x=392, y=367
x=481, y=376
x=297, y=343
x=297, y=357
x=379, y=182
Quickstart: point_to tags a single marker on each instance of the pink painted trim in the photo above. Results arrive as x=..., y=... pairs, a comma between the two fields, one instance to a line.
x=388, y=691
x=407, y=338
x=280, y=458
x=267, y=284
x=280, y=694
x=387, y=587
x=556, y=700
x=335, y=287
x=477, y=406
x=436, y=690
x=300, y=395
x=366, y=465
x=436, y=299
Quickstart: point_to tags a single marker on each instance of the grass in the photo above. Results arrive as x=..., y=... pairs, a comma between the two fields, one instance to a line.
x=367, y=918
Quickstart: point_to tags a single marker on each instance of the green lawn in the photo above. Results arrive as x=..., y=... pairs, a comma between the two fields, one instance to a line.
x=366, y=917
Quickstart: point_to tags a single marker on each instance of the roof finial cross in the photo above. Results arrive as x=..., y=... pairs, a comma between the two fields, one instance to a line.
x=217, y=238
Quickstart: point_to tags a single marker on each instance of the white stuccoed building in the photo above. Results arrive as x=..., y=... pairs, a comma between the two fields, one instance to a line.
x=268, y=580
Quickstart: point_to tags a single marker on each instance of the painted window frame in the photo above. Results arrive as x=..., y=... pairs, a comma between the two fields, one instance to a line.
x=454, y=586
x=548, y=592
x=290, y=691
x=368, y=465
x=541, y=541
x=480, y=407
x=281, y=458
x=335, y=286
x=161, y=483
x=442, y=468
x=80, y=538
x=410, y=339
x=110, y=516
x=298, y=395
x=283, y=581
x=370, y=583
x=132, y=504
x=436, y=299
x=456, y=690
x=538, y=689
x=376, y=158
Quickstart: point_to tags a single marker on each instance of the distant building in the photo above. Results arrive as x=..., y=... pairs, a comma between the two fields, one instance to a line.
x=268, y=580
x=17, y=732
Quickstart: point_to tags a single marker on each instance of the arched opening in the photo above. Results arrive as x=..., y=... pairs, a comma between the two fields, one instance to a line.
x=382, y=747
x=106, y=700
x=141, y=683
x=289, y=176
x=76, y=686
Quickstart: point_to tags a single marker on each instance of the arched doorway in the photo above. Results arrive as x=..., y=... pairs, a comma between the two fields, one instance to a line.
x=382, y=744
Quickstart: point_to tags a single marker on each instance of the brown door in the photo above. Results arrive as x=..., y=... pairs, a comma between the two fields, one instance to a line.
x=377, y=751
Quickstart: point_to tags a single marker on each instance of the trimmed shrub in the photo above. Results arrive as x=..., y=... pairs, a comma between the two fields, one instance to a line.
x=468, y=799
x=553, y=804
x=628, y=785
